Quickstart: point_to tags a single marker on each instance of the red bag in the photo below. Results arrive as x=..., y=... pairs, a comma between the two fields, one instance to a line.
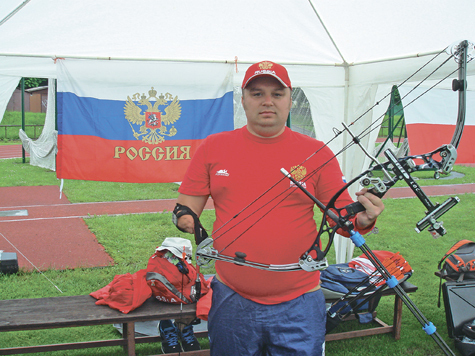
x=174, y=280
x=204, y=304
x=125, y=293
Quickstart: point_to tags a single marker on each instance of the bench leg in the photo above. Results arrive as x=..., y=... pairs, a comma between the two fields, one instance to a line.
x=397, y=321
x=128, y=331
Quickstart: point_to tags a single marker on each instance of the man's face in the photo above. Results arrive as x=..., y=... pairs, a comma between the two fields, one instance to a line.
x=267, y=105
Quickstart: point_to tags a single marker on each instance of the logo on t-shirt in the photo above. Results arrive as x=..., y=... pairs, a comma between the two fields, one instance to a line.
x=298, y=173
x=222, y=172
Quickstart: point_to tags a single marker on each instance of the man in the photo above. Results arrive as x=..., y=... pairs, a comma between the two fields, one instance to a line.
x=257, y=312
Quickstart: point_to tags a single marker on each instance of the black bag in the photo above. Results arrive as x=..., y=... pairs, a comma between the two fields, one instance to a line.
x=459, y=262
x=459, y=303
x=466, y=343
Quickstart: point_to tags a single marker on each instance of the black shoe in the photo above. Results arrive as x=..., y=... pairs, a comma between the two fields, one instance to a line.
x=169, y=334
x=188, y=339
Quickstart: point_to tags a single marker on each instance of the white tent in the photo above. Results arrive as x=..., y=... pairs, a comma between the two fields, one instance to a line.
x=344, y=54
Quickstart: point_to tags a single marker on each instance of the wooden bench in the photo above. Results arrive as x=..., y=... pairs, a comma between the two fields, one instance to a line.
x=64, y=312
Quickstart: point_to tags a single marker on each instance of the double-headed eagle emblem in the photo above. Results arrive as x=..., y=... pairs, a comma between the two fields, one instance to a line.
x=152, y=121
x=298, y=172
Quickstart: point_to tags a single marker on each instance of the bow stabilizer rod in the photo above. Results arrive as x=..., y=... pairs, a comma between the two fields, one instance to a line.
x=391, y=280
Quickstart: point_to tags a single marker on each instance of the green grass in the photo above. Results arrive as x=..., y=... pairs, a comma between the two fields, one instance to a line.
x=31, y=118
x=459, y=175
x=15, y=173
x=132, y=239
x=14, y=118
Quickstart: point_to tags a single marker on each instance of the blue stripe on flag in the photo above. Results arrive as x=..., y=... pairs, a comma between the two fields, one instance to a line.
x=106, y=118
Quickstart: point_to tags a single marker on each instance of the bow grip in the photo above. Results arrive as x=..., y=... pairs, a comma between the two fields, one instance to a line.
x=356, y=207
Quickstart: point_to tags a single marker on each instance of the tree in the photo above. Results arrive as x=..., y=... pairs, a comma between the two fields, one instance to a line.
x=34, y=82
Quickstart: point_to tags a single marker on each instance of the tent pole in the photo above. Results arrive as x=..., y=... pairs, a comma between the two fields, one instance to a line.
x=343, y=246
x=345, y=111
x=56, y=104
x=11, y=14
x=23, y=114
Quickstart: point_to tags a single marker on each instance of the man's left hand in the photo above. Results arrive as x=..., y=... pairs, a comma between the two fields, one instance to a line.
x=374, y=207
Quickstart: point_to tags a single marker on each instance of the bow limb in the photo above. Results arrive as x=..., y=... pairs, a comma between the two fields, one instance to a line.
x=460, y=85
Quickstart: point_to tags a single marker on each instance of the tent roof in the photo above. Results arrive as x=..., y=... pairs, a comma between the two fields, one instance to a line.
x=287, y=31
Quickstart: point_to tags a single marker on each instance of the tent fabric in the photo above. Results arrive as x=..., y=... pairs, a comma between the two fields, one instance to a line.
x=43, y=150
x=7, y=87
x=344, y=55
x=364, y=31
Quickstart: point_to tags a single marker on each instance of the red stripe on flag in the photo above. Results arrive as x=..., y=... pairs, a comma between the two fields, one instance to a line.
x=424, y=138
x=94, y=158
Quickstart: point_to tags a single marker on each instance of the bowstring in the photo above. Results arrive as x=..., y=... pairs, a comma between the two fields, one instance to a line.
x=410, y=102
x=371, y=127
x=404, y=82
x=374, y=125
x=362, y=134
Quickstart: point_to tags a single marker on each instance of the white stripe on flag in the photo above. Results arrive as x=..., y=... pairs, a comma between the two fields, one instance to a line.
x=115, y=80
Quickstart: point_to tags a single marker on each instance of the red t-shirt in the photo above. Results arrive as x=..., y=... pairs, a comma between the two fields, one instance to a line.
x=236, y=168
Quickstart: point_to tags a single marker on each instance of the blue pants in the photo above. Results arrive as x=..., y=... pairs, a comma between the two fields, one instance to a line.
x=240, y=327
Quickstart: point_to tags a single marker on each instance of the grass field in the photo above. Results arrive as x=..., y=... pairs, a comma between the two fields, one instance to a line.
x=131, y=240
x=10, y=134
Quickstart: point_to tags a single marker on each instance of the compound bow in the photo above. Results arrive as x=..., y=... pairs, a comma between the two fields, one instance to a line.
x=441, y=160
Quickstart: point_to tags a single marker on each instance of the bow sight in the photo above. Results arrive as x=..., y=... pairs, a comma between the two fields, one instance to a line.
x=400, y=169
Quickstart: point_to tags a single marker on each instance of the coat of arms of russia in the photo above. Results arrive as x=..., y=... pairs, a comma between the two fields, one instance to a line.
x=148, y=118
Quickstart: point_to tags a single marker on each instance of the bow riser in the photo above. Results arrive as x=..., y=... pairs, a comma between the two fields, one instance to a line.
x=205, y=254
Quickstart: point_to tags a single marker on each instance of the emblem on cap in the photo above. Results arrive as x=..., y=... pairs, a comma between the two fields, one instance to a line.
x=266, y=65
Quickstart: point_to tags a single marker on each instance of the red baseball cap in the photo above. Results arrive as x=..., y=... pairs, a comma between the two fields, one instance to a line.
x=267, y=68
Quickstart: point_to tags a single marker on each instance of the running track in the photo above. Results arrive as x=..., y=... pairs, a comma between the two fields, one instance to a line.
x=54, y=234
x=11, y=151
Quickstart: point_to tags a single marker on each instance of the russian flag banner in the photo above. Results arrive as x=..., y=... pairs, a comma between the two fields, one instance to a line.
x=138, y=122
x=430, y=121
